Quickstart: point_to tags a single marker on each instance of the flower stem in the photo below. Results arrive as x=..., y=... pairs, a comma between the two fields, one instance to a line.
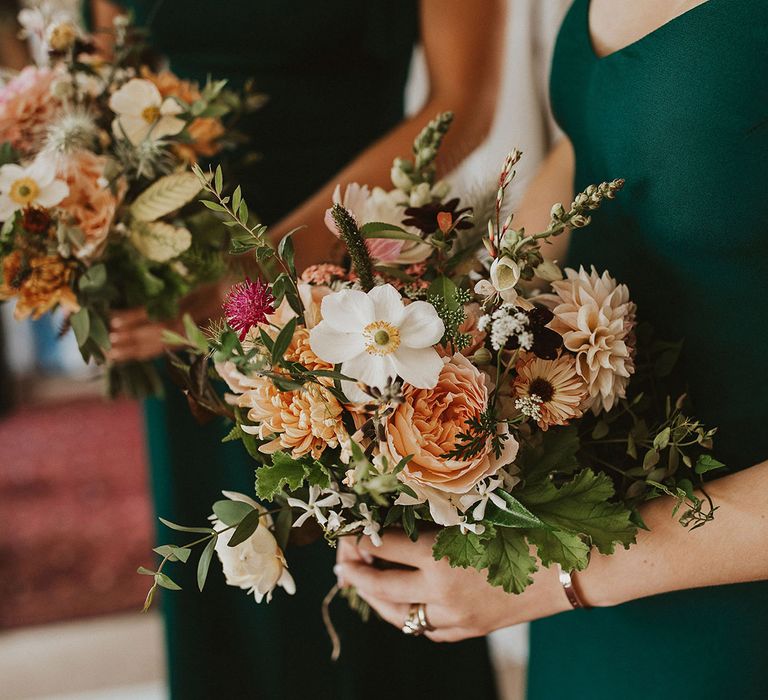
x=353, y=240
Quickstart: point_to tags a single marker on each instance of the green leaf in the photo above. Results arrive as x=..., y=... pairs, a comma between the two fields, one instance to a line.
x=184, y=528
x=601, y=430
x=285, y=251
x=231, y=512
x=394, y=515
x=661, y=441
x=236, y=198
x=558, y=547
x=554, y=452
x=282, y=341
x=464, y=550
x=508, y=560
x=245, y=529
x=94, y=279
x=218, y=180
x=204, y=563
x=707, y=463
x=213, y=206
x=317, y=475
x=409, y=523
x=99, y=332
x=173, y=553
x=446, y=289
x=195, y=335
x=284, y=471
x=166, y=582
x=81, y=325
x=378, y=229
x=144, y=571
x=582, y=506
x=651, y=459
x=165, y=195
x=515, y=515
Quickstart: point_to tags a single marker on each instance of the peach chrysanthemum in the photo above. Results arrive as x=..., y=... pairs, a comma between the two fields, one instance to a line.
x=26, y=108
x=300, y=351
x=549, y=391
x=90, y=204
x=46, y=283
x=300, y=422
x=595, y=317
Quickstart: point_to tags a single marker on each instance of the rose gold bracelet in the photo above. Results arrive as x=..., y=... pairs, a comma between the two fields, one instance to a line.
x=567, y=582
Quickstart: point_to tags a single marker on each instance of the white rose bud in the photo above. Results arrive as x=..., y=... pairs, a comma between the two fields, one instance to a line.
x=549, y=271
x=258, y=564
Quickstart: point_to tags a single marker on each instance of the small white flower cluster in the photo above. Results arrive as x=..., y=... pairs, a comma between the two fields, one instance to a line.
x=333, y=521
x=505, y=323
x=530, y=406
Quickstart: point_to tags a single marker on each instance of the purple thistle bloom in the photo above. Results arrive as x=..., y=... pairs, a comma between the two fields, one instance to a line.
x=247, y=305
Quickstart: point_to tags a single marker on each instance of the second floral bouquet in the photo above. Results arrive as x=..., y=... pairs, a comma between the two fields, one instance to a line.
x=449, y=378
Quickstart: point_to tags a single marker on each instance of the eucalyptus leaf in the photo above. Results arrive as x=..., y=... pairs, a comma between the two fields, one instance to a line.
x=81, y=325
x=166, y=582
x=204, y=563
x=231, y=512
x=245, y=529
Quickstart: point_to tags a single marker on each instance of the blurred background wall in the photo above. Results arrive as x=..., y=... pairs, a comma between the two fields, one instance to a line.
x=72, y=465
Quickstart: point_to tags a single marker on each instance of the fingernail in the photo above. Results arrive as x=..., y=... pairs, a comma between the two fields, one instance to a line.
x=367, y=557
x=338, y=569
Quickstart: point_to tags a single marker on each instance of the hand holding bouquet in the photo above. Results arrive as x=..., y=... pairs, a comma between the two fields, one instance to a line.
x=94, y=183
x=450, y=378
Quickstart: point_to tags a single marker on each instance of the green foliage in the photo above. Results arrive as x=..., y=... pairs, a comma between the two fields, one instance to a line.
x=285, y=471
x=464, y=550
x=508, y=560
x=515, y=514
x=245, y=528
x=582, y=505
x=231, y=512
x=560, y=547
x=549, y=452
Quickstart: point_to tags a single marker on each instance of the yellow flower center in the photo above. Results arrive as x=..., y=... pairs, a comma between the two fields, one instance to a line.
x=151, y=114
x=381, y=338
x=24, y=191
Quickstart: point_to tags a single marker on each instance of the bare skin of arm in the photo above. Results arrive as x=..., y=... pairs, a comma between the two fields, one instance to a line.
x=731, y=549
x=464, y=62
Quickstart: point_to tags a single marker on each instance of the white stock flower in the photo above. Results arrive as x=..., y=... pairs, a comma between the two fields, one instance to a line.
x=313, y=506
x=479, y=497
x=32, y=186
x=376, y=337
x=256, y=565
x=142, y=113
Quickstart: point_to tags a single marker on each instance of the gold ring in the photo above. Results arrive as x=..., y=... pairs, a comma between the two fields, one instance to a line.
x=417, y=623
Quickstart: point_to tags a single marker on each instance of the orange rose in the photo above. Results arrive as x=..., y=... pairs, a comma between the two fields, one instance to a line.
x=428, y=423
x=46, y=284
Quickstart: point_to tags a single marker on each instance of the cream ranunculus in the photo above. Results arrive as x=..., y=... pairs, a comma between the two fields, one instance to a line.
x=33, y=186
x=142, y=113
x=258, y=564
x=376, y=337
x=427, y=425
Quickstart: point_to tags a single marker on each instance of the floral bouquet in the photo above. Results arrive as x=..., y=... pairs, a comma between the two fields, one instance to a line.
x=94, y=183
x=448, y=378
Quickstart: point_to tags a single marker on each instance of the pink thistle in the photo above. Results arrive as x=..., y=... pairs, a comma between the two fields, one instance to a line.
x=247, y=305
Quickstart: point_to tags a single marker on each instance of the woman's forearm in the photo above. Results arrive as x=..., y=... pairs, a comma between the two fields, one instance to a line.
x=733, y=548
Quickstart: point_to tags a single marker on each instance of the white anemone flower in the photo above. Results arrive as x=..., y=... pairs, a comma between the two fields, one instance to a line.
x=376, y=337
x=143, y=114
x=32, y=186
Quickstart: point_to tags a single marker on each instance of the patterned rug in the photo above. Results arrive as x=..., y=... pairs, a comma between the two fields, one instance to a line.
x=75, y=517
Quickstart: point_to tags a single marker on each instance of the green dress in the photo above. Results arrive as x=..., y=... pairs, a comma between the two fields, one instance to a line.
x=682, y=114
x=334, y=72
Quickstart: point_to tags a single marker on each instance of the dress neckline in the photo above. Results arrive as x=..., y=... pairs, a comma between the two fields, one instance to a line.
x=660, y=30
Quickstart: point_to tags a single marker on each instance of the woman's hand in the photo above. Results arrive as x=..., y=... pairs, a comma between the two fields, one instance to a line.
x=460, y=603
x=136, y=337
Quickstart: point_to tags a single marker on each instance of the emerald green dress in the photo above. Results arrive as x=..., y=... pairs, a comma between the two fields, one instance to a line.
x=682, y=114
x=334, y=72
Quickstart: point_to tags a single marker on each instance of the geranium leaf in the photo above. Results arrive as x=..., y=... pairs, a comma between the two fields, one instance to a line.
x=582, y=506
x=559, y=547
x=508, y=560
x=555, y=451
x=284, y=471
x=464, y=550
x=515, y=514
